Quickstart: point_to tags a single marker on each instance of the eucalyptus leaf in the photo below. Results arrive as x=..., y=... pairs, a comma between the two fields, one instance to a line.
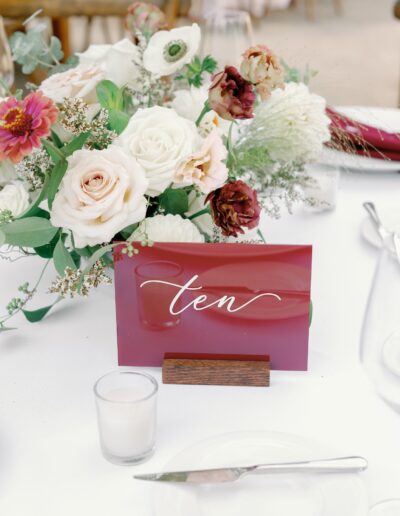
x=37, y=315
x=62, y=258
x=2, y=238
x=56, y=177
x=174, y=201
x=46, y=251
x=29, y=232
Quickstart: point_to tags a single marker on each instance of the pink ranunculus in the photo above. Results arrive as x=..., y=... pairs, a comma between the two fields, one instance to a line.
x=205, y=168
x=261, y=67
x=146, y=18
x=231, y=96
x=23, y=123
x=234, y=206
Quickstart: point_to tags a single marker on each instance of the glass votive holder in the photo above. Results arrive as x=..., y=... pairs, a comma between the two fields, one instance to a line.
x=386, y=508
x=126, y=403
x=322, y=191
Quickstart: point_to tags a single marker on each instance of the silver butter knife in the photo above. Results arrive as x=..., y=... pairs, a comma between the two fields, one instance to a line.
x=209, y=476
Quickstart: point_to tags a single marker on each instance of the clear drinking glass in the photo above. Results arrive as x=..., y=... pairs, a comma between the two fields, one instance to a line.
x=6, y=63
x=227, y=33
x=126, y=403
x=380, y=339
x=155, y=290
x=386, y=508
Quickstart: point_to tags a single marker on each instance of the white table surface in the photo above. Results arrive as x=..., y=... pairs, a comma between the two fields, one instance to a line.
x=50, y=462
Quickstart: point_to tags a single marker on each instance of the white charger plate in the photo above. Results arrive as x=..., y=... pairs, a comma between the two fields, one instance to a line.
x=269, y=495
x=387, y=119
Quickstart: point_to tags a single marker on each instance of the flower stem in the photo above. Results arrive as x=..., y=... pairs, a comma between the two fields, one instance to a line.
x=204, y=211
x=206, y=109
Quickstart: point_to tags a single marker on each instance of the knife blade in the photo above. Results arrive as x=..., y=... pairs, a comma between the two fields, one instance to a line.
x=220, y=475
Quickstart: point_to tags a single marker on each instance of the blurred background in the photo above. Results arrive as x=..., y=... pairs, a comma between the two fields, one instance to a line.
x=354, y=45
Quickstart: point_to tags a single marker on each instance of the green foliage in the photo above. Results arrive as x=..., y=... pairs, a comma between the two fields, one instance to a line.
x=293, y=74
x=174, y=201
x=31, y=51
x=37, y=315
x=76, y=144
x=117, y=120
x=71, y=62
x=54, y=152
x=110, y=96
x=46, y=251
x=30, y=232
x=195, y=70
x=55, y=179
x=62, y=258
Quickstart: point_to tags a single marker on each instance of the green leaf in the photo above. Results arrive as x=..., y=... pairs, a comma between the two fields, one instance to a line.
x=29, y=232
x=76, y=258
x=46, y=251
x=62, y=258
x=37, y=315
x=55, y=179
x=311, y=312
x=55, y=49
x=174, y=201
x=109, y=95
x=2, y=238
x=34, y=207
x=127, y=232
x=55, y=154
x=117, y=120
x=56, y=139
x=76, y=144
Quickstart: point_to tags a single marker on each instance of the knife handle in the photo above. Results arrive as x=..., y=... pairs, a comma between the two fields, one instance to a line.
x=340, y=465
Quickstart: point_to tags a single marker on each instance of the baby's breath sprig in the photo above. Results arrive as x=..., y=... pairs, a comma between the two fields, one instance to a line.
x=6, y=217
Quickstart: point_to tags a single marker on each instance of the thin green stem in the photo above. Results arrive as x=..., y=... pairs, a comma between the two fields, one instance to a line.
x=32, y=293
x=206, y=109
x=199, y=213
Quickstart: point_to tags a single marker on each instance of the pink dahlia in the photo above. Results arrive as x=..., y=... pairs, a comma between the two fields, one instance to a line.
x=23, y=123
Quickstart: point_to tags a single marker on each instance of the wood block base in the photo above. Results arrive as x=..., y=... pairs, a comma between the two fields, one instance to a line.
x=202, y=369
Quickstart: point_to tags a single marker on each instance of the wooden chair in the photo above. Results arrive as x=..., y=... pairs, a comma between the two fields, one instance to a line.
x=312, y=4
x=60, y=10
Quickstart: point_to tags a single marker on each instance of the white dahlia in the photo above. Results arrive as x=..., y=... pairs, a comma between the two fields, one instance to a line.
x=167, y=228
x=292, y=124
x=169, y=50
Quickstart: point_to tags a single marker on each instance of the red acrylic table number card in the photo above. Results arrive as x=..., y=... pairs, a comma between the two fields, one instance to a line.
x=213, y=298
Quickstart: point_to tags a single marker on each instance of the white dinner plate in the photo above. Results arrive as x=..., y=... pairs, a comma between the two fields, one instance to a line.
x=264, y=495
x=386, y=119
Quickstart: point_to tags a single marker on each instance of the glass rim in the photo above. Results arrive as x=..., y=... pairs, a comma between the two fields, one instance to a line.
x=237, y=12
x=149, y=377
x=144, y=264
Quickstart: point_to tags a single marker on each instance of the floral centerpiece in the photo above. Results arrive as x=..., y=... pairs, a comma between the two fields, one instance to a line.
x=143, y=141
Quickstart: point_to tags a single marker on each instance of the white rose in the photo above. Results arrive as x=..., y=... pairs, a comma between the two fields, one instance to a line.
x=117, y=61
x=7, y=172
x=78, y=82
x=101, y=193
x=168, y=228
x=159, y=139
x=169, y=50
x=14, y=198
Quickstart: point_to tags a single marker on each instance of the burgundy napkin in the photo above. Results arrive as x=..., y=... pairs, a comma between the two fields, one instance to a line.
x=366, y=139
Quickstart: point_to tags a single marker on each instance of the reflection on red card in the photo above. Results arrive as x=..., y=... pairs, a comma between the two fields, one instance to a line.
x=214, y=298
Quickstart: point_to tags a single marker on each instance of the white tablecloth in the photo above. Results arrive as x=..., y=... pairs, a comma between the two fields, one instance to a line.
x=50, y=463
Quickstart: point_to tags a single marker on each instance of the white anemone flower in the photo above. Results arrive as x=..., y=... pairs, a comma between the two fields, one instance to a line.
x=292, y=124
x=169, y=50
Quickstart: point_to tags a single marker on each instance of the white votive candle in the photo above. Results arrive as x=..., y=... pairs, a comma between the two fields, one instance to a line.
x=126, y=413
x=321, y=192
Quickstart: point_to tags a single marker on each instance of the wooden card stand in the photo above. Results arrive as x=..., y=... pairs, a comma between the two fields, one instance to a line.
x=204, y=369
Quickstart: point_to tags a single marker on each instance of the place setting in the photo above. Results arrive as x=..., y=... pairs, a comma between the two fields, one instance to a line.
x=207, y=208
